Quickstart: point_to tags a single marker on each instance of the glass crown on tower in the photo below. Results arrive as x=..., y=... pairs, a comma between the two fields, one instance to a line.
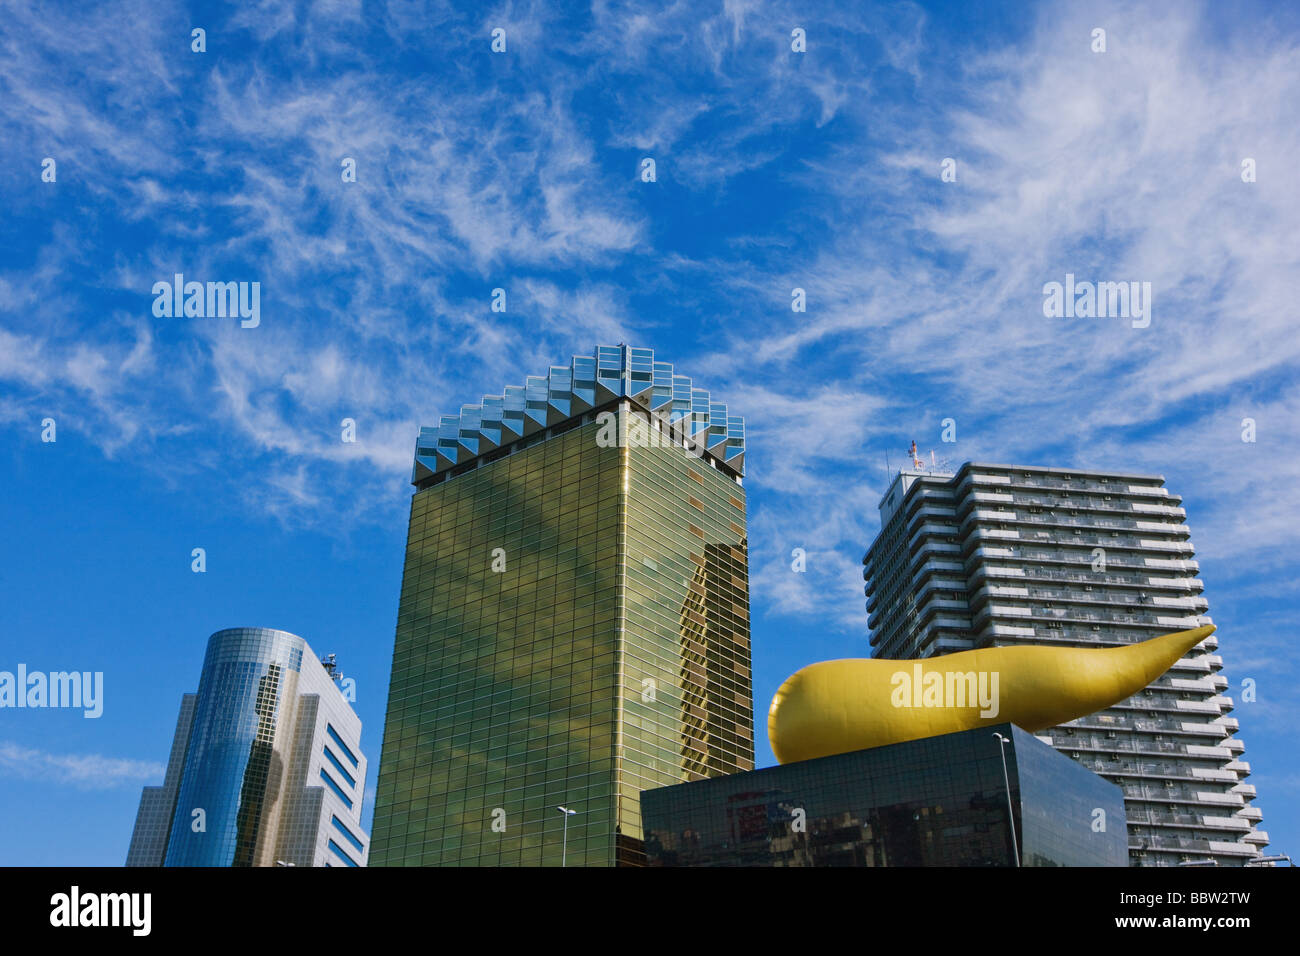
x=569, y=391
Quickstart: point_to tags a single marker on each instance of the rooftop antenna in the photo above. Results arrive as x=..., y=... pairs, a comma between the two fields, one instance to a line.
x=331, y=666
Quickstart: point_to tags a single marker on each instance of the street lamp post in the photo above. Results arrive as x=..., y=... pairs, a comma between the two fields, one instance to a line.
x=1011, y=813
x=564, y=847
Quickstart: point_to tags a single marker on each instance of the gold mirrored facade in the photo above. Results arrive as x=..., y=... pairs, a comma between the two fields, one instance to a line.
x=573, y=629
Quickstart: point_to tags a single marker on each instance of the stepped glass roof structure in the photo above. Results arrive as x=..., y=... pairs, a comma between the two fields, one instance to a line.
x=566, y=393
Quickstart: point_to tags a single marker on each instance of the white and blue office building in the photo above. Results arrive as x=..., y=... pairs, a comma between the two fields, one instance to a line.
x=266, y=766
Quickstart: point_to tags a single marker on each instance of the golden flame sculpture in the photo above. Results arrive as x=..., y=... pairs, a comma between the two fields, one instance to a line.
x=840, y=706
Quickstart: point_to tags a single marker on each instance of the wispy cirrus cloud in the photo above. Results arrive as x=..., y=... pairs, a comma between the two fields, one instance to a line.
x=85, y=771
x=816, y=170
x=925, y=297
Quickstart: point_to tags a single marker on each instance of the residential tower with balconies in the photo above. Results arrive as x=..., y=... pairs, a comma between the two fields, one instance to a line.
x=998, y=555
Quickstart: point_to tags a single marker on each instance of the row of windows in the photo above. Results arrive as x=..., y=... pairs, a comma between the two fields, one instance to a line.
x=578, y=746
x=458, y=847
x=481, y=832
x=508, y=486
x=652, y=746
x=470, y=642
x=450, y=848
x=437, y=616
x=481, y=800
x=565, y=697
x=523, y=676
x=657, y=637
x=583, y=790
x=329, y=755
x=474, y=677
x=347, y=834
x=721, y=602
x=432, y=616
x=479, y=643
x=567, y=754
x=445, y=655
x=571, y=775
x=329, y=781
x=583, y=530
x=541, y=638
x=524, y=505
x=456, y=790
x=476, y=837
x=474, y=575
x=651, y=499
x=475, y=546
x=670, y=461
x=573, y=749
x=502, y=595
x=339, y=852
x=347, y=751
x=517, y=585
x=521, y=687
x=511, y=480
x=527, y=472
x=580, y=536
x=582, y=717
x=533, y=693
x=474, y=823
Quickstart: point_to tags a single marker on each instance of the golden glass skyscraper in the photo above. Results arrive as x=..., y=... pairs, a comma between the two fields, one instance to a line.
x=574, y=619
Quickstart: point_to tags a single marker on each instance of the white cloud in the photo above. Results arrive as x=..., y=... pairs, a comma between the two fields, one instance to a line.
x=85, y=771
x=924, y=297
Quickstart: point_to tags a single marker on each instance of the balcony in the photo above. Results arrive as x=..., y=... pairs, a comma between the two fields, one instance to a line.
x=1233, y=849
x=1198, y=706
x=1196, y=820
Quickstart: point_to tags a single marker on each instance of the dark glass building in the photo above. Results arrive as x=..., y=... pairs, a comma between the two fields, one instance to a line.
x=939, y=801
x=574, y=619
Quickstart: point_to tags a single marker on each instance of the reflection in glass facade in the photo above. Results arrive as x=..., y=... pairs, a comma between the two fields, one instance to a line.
x=242, y=785
x=230, y=747
x=573, y=625
x=940, y=801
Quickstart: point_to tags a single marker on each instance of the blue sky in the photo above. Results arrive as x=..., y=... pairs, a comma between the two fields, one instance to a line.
x=519, y=170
